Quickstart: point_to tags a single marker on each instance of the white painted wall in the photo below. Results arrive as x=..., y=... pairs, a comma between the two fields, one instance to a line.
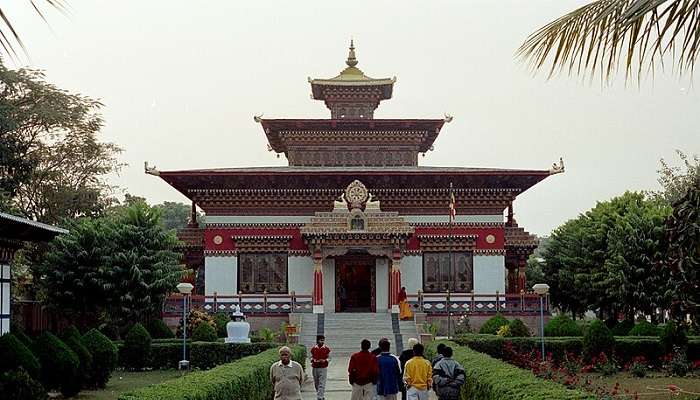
x=300, y=275
x=4, y=299
x=489, y=274
x=329, y=285
x=382, y=284
x=412, y=273
x=221, y=275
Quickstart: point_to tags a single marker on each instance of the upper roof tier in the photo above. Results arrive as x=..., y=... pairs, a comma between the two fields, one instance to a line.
x=352, y=94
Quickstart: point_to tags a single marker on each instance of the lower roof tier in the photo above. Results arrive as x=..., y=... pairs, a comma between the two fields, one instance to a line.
x=305, y=190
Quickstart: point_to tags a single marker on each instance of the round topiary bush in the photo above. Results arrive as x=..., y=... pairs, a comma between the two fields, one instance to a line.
x=493, y=324
x=598, y=339
x=562, y=325
x=137, y=347
x=19, y=385
x=204, y=333
x=59, y=365
x=84, y=356
x=104, y=357
x=159, y=330
x=622, y=328
x=644, y=328
x=15, y=354
x=672, y=336
x=517, y=328
x=221, y=318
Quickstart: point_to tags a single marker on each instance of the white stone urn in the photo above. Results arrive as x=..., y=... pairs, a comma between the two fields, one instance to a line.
x=237, y=329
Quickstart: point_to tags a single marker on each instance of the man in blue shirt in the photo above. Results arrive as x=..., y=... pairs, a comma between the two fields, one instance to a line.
x=390, y=380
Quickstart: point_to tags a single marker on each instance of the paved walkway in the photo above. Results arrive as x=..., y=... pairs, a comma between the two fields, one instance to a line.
x=337, y=385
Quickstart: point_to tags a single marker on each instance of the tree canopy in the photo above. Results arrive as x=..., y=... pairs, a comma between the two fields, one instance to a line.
x=118, y=267
x=53, y=163
x=606, y=259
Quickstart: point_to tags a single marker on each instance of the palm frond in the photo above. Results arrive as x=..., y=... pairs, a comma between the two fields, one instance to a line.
x=600, y=36
x=10, y=39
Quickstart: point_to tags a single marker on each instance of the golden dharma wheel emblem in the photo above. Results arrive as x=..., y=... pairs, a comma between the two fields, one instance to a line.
x=356, y=194
x=218, y=239
x=490, y=239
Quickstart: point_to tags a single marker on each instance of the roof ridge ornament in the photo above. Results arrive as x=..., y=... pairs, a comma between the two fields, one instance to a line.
x=557, y=168
x=258, y=118
x=448, y=118
x=150, y=170
x=352, y=60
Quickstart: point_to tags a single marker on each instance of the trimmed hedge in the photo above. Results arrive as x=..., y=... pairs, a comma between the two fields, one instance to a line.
x=644, y=328
x=562, y=325
x=59, y=365
x=491, y=379
x=626, y=348
x=19, y=334
x=104, y=357
x=16, y=354
x=202, y=355
x=247, y=378
x=137, y=348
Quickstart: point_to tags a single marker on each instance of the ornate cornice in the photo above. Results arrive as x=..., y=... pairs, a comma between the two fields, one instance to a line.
x=261, y=243
x=490, y=252
x=220, y=253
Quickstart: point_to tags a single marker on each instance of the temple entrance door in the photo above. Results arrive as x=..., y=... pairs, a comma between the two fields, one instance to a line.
x=355, y=284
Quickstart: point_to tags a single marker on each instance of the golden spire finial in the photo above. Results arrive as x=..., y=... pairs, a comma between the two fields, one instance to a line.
x=351, y=61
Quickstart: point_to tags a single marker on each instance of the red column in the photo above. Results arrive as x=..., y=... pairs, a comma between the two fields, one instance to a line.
x=395, y=285
x=317, y=296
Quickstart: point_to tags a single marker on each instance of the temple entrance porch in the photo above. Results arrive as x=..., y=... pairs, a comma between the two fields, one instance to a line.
x=355, y=284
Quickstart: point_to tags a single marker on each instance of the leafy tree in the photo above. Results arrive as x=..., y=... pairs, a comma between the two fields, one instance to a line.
x=605, y=260
x=54, y=164
x=597, y=37
x=144, y=264
x=683, y=254
x=119, y=267
x=675, y=181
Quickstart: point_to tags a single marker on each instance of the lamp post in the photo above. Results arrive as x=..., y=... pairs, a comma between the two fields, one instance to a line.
x=184, y=288
x=541, y=289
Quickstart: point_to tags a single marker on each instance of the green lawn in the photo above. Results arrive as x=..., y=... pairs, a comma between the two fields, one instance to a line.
x=122, y=381
x=652, y=387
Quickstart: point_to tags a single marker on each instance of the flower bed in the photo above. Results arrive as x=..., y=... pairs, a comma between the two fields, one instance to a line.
x=247, y=378
x=491, y=379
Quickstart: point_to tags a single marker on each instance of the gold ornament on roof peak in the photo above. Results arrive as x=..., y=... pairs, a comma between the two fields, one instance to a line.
x=351, y=61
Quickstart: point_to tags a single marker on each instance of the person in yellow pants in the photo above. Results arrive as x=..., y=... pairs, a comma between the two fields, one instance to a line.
x=404, y=307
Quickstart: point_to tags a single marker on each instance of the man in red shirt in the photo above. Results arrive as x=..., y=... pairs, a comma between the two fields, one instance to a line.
x=319, y=366
x=362, y=372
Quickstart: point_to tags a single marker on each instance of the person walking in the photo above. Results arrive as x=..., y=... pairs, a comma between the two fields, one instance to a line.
x=418, y=375
x=403, y=358
x=362, y=372
x=439, y=356
x=389, y=379
x=319, y=365
x=448, y=376
x=404, y=308
x=286, y=376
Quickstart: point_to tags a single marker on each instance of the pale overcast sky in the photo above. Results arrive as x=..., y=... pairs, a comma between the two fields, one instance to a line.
x=181, y=81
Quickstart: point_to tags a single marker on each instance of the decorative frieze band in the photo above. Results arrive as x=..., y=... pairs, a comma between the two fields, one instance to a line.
x=489, y=252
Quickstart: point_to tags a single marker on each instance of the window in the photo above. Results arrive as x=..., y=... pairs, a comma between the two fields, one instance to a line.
x=259, y=272
x=437, y=274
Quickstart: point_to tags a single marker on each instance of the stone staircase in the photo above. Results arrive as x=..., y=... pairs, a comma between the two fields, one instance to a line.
x=344, y=331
